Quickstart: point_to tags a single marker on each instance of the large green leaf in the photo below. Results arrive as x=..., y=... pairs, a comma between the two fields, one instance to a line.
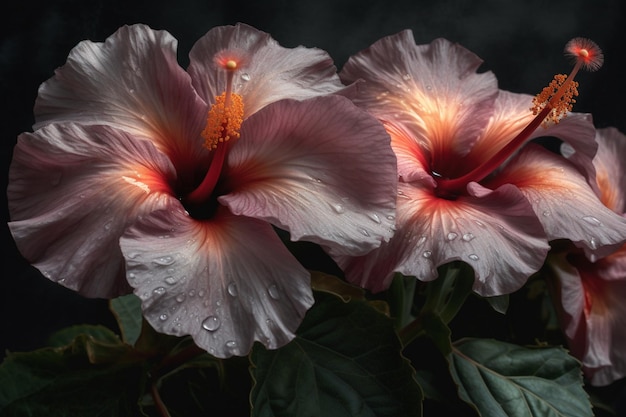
x=505, y=380
x=95, y=375
x=344, y=361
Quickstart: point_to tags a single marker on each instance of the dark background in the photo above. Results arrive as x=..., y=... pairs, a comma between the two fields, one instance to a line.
x=521, y=41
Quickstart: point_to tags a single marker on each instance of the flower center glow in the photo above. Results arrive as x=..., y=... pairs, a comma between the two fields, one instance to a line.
x=224, y=119
x=549, y=106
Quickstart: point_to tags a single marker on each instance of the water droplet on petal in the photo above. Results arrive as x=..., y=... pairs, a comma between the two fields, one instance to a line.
x=421, y=240
x=592, y=220
x=159, y=291
x=547, y=213
x=452, y=236
x=273, y=292
x=427, y=254
x=375, y=218
x=163, y=317
x=232, y=289
x=170, y=280
x=245, y=76
x=593, y=243
x=479, y=223
x=231, y=344
x=364, y=232
x=164, y=260
x=211, y=323
x=131, y=276
x=339, y=209
x=406, y=77
x=473, y=257
x=391, y=217
x=468, y=236
x=180, y=298
x=192, y=293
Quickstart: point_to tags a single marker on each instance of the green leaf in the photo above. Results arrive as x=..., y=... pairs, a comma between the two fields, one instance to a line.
x=505, y=380
x=127, y=311
x=95, y=375
x=344, y=361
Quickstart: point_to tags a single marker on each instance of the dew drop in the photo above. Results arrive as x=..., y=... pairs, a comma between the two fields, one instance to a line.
x=159, y=291
x=180, y=298
x=201, y=293
x=192, y=293
x=375, y=218
x=391, y=217
x=479, y=223
x=468, y=236
x=592, y=220
x=547, y=213
x=427, y=254
x=211, y=323
x=164, y=260
x=473, y=257
x=429, y=87
x=131, y=91
x=163, y=317
x=364, y=232
x=245, y=76
x=452, y=236
x=232, y=289
x=339, y=209
x=131, y=276
x=273, y=292
x=170, y=280
x=406, y=77
x=231, y=344
x=593, y=243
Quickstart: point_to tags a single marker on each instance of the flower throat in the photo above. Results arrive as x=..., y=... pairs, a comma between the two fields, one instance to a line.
x=224, y=119
x=549, y=106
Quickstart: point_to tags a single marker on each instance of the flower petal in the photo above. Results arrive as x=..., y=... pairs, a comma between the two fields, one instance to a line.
x=268, y=72
x=72, y=191
x=433, y=90
x=321, y=169
x=564, y=202
x=610, y=168
x=226, y=282
x=593, y=315
x=131, y=81
x=495, y=232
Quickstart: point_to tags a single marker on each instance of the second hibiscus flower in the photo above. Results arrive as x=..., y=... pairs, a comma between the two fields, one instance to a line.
x=471, y=187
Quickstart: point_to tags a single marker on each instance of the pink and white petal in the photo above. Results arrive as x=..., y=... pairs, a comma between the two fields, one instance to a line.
x=267, y=72
x=610, y=168
x=133, y=82
x=227, y=282
x=321, y=169
x=495, y=232
x=579, y=146
x=593, y=315
x=433, y=89
x=72, y=191
x=564, y=202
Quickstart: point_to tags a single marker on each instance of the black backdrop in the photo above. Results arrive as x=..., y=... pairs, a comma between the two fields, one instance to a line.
x=521, y=41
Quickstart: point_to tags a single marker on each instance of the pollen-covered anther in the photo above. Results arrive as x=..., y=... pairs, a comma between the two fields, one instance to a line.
x=223, y=120
x=560, y=105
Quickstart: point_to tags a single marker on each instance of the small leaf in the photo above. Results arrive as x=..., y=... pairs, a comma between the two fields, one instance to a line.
x=127, y=311
x=331, y=284
x=345, y=361
x=505, y=380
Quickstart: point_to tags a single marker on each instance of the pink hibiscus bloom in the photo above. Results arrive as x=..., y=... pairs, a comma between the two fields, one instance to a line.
x=470, y=189
x=590, y=295
x=143, y=176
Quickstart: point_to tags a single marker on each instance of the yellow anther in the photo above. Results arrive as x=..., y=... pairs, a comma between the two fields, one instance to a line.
x=223, y=121
x=231, y=64
x=559, y=104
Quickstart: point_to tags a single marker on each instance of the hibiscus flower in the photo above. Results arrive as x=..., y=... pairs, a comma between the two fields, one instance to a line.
x=471, y=188
x=590, y=295
x=142, y=176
